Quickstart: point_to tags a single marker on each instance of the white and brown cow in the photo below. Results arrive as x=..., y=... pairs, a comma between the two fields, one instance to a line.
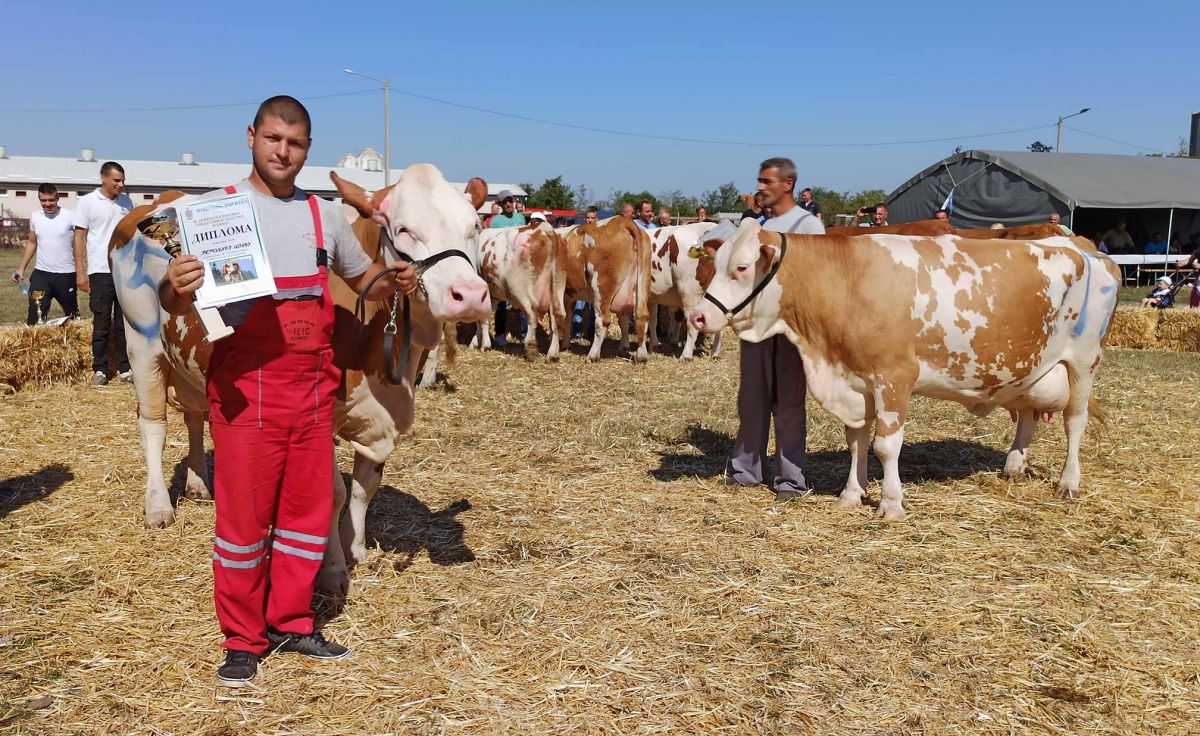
x=525, y=266
x=608, y=264
x=678, y=278
x=879, y=318
x=421, y=215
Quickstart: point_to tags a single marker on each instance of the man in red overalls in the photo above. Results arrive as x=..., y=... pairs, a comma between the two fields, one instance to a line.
x=271, y=392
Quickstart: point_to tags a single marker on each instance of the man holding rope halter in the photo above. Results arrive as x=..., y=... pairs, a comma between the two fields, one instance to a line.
x=271, y=389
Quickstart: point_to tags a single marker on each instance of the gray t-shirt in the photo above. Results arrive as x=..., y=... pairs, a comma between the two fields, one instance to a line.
x=288, y=235
x=796, y=220
x=291, y=243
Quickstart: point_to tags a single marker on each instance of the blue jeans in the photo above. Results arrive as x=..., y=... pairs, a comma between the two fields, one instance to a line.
x=583, y=321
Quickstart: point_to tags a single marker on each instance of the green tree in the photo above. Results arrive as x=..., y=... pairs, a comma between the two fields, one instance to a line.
x=724, y=198
x=680, y=204
x=582, y=197
x=553, y=194
x=619, y=198
x=1039, y=147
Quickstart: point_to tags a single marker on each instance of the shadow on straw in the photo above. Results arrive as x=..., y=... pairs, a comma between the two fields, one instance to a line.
x=399, y=522
x=19, y=490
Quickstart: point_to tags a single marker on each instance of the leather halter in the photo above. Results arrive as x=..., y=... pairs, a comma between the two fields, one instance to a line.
x=757, y=287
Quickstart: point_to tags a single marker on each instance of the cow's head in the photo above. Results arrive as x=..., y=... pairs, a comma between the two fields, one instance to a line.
x=742, y=264
x=422, y=216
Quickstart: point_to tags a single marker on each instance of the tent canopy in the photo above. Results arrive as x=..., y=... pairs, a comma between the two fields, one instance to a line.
x=1018, y=188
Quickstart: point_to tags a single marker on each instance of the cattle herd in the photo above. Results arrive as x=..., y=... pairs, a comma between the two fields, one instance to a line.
x=878, y=315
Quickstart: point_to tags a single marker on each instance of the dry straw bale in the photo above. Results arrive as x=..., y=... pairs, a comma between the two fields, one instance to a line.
x=553, y=552
x=1179, y=330
x=1134, y=327
x=43, y=355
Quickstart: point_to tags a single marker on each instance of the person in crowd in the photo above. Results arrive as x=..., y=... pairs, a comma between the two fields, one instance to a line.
x=941, y=216
x=627, y=211
x=771, y=382
x=1191, y=264
x=1100, y=244
x=495, y=211
x=271, y=388
x=1160, y=297
x=583, y=323
x=702, y=214
x=808, y=203
x=1119, y=240
x=755, y=211
x=1056, y=221
x=96, y=217
x=878, y=216
x=645, y=216
x=51, y=240
x=1156, y=246
x=508, y=217
x=664, y=217
x=520, y=207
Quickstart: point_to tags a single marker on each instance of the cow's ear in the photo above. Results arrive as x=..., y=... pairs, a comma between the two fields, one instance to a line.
x=353, y=195
x=769, y=252
x=477, y=192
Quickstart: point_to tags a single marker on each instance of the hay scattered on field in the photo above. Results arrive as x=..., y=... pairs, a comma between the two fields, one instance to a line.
x=553, y=553
x=40, y=356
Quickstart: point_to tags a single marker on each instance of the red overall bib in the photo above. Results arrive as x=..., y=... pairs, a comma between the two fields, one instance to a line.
x=270, y=395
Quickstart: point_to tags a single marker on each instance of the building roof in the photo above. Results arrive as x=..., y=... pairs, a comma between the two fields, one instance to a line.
x=1104, y=181
x=202, y=176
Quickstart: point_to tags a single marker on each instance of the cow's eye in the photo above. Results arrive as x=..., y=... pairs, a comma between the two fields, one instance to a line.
x=743, y=268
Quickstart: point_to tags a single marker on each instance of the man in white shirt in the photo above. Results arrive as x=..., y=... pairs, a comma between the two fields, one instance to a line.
x=645, y=216
x=95, y=219
x=772, y=376
x=53, y=277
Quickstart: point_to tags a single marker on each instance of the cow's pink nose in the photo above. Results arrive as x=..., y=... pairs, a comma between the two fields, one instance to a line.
x=468, y=296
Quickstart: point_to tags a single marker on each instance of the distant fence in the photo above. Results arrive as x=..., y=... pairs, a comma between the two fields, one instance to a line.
x=13, y=232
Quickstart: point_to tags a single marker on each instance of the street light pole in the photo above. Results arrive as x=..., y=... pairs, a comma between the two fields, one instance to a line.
x=387, y=125
x=1061, y=118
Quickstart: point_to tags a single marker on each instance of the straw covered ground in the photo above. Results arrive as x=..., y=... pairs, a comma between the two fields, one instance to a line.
x=553, y=553
x=1156, y=329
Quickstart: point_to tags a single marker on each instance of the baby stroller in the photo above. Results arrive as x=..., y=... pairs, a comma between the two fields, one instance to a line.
x=1181, y=281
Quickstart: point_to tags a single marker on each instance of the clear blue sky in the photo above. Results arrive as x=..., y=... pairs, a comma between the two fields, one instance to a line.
x=812, y=72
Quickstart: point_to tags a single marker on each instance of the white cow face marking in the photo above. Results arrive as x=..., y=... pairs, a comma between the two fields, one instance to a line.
x=740, y=265
x=425, y=216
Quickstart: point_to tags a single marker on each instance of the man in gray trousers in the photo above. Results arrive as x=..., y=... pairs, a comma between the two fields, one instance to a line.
x=772, y=377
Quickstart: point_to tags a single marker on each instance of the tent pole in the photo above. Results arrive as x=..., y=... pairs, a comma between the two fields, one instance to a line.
x=1170, y=224
x=1071, y=221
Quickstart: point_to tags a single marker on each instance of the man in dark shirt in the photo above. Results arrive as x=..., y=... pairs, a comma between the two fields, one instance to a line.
x=808, y=203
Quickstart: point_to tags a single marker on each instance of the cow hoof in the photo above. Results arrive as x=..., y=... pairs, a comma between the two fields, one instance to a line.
x=592, y=358
x=1067, y=493
x=686, y=358
x=890, y=513
x=531, y=352
x=552, y=358
x=197, y=491
x=334, y=581
x=848, y=502
x=160, y=519
x=358, y=553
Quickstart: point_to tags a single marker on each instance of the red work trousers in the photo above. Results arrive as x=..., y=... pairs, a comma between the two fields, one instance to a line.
x=272, y=428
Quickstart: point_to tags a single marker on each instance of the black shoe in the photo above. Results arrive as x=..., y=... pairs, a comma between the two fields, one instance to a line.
x=313, y=646
x=789, y=494
x=238, y=670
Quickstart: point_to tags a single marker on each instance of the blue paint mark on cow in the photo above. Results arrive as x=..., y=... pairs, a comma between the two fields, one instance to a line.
x=137, y=250
x=1081, y=325
x=1110, y=306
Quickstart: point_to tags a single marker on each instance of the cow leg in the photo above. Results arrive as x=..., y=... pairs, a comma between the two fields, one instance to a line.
x=159, y=512
x=654, y=327
x=531, y=320
x=891, y=408
x=715, y=352
x=1075, y=419
x=598, y=338
x=857, y=440
x=483, y=338
x=1016, y=466
x=334, y=578
x=429, y=376
x=363, y=485
x=689, y=346
x=555, y=332
x=196, y=487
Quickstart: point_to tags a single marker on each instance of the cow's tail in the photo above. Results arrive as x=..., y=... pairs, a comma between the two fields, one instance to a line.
x=558, y=286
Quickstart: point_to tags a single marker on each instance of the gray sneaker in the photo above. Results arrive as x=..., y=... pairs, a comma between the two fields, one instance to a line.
x=99, y=379
x=126, y=376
